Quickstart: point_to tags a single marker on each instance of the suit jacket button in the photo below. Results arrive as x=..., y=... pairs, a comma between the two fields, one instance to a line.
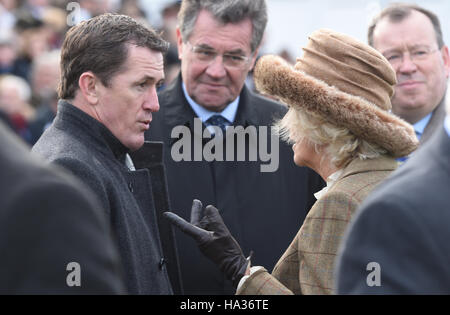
x=130, y=187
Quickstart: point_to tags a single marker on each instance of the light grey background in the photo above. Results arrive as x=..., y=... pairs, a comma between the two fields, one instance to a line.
x=291, y=21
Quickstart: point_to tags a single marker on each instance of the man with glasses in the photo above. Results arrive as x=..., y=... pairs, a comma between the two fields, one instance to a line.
x=218, y=43
x=398, y=243
x=410, y=37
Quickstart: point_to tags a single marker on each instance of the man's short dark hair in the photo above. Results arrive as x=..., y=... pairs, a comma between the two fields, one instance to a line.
x=100, y=45
x=397, y=12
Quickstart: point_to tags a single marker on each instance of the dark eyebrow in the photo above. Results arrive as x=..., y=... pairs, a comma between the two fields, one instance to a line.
x=146, y=78
x=150, y=79
x=236, y=52
x=204, y=46
x=232, y=52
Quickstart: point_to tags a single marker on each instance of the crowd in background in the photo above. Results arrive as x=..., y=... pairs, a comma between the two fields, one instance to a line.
x=337, y=83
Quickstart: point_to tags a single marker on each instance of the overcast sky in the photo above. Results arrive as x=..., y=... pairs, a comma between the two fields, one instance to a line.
x=291, y=21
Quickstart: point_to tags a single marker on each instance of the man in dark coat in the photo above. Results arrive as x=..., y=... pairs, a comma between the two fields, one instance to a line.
x=399, y=241
x=111, y=66
x=54, y=238
x=263, y=200
x=422, y=75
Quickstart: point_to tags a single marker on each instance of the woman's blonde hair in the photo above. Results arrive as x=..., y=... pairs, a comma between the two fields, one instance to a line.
x=340, y=144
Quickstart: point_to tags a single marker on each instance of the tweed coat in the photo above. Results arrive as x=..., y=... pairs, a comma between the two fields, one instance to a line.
x=47, y=220
x=90, y=151
x=307, y=265
x=280, y=200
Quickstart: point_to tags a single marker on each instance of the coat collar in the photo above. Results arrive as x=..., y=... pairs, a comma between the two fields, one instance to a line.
x=436, y=120
x=382, y=163
x=88, y=129
x=437, y=149
x=178, y=112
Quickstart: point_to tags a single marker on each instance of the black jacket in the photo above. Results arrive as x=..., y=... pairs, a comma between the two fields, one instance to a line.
x=262, y=210
x=48, y=220
x=89, y=150
x=403, y=227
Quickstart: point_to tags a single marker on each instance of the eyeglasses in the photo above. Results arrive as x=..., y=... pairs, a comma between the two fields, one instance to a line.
x=416, y=54
x=208, y=55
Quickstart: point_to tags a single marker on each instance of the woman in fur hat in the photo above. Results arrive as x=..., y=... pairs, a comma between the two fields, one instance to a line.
x=340, y=125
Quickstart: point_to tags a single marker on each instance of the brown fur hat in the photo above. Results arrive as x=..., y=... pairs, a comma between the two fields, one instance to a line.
x=345, y=81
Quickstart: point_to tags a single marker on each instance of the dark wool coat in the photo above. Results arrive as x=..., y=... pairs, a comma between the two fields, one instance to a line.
x=262, y=210
x=89, y=150
x=403, y=227
x=435, y=123
x=48, y=220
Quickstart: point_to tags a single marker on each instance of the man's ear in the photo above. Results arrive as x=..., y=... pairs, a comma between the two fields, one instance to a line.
x=446, y=58
x=179, y=43
x=87, y=84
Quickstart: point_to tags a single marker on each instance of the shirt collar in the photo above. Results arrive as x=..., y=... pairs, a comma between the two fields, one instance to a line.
x=229, y=112
x=419, y=126
x=331, y=180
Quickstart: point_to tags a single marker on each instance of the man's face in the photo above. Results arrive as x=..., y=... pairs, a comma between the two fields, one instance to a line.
x=126, y=106
x=215, y=83
x=421, y=76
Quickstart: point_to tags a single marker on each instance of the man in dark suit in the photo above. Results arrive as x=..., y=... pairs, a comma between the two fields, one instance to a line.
x=48, y=220
x=264, y=199
x=111, y=66
x=410, y=37
x=399, y=241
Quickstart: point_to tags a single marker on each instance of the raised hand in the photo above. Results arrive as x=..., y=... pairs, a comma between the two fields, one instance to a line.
x=213, y=239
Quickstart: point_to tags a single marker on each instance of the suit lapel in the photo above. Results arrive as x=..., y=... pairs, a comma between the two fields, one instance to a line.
x=439, y=147
x=437, y=119
x=178, y=112
x=245, y=115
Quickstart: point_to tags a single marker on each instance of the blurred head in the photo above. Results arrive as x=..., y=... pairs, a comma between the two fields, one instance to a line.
x=8, y=53
x=15, y=94
x=45, y=76
x=169, y=21
x=111, y=67
x=34, y=42
x=9, y=4
x=411, y=39
x=218, y=43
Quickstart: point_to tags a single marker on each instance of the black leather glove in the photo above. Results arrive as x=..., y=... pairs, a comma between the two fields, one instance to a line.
x=213, y=239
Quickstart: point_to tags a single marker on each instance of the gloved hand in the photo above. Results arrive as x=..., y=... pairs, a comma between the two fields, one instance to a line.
x=213, y=239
